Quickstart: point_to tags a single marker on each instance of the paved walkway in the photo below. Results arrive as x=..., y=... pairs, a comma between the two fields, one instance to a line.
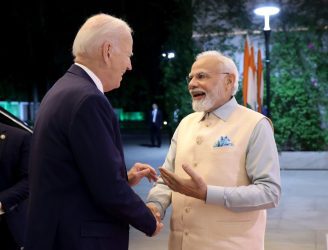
x=299, y=223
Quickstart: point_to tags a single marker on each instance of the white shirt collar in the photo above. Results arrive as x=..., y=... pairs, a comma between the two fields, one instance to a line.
x=223, y=112
x=93, y=76
x=226, y=109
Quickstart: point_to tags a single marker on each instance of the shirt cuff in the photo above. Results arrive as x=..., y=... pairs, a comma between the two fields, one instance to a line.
x=215, y=195
x=159, y=207
x=1, y=209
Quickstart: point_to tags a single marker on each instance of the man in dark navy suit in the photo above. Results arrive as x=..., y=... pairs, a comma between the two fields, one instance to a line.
x=81, y=195
x=156, y=120
x=14, y=151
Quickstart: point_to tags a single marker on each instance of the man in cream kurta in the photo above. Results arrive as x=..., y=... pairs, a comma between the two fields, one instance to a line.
x=222, y=166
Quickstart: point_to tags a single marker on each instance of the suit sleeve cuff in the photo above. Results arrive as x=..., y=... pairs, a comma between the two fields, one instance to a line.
x=215, y=195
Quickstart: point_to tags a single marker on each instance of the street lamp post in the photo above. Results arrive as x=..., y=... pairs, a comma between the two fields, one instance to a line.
x=267, y=12
x=267, y=72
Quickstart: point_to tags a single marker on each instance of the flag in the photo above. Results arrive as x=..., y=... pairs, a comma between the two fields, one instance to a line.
x=260, y=84
x=245, y=72
x=251, y=82
x=252, y=78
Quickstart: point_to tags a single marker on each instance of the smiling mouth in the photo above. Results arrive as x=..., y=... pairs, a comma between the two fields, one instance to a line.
x=196, y=94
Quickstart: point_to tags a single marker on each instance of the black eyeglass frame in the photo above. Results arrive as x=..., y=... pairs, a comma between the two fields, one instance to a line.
x=203, y=75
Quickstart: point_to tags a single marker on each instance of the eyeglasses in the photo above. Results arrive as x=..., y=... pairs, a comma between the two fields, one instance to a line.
x=202, y=76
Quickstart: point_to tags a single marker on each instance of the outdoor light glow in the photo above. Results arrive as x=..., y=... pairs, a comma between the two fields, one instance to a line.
x=163, y=54
x=170, y=55
x=267, y=12
x=165, y=123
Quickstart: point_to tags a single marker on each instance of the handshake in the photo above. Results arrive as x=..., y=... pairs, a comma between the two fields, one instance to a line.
x=193, y=186
x=157, y=215
x=136, y=173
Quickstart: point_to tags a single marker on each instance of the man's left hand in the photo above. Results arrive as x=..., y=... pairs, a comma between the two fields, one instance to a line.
x=140, y=170
x=193, y=187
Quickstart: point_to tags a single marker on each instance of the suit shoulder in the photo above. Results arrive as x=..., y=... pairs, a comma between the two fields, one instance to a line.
x=72, y=88
x=93, y=99
x=14, y=130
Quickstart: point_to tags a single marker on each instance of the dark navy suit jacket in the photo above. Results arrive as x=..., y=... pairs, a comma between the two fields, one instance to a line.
x=80, y=198
x=14, y=151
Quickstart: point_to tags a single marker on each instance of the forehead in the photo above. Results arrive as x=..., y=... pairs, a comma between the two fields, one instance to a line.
x=206, y=64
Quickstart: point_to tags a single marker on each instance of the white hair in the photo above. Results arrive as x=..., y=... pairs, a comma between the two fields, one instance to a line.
x=228, y=65
x=97, y=30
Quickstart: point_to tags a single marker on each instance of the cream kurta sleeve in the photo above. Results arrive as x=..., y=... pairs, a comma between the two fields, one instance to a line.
x=263, y=170
x=160, y=194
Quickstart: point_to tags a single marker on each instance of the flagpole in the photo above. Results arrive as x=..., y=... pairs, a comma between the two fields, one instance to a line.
x=267, y=72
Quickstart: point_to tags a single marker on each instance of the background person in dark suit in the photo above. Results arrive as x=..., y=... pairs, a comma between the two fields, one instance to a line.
x=14, y=151
x=81, y=195
x=156, y=120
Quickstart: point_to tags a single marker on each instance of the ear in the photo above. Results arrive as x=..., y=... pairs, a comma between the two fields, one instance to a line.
x=229, y=82
x=230, y=79
x=106, y=51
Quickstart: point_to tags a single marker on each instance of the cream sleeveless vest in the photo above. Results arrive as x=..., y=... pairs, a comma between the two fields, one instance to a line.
x=194, y=224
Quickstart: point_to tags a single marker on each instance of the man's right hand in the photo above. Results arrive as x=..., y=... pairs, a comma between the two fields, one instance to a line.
x=157, y=215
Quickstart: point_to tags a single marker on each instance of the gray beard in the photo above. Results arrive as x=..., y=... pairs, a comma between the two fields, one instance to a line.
x=203, y=105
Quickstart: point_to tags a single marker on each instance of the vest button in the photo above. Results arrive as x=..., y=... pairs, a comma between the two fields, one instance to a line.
x=186, y=233
x=199, y=140
x=187, y=209
x=195, y=164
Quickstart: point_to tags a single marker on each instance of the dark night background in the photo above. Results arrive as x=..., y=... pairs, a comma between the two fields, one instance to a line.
x=37, y=37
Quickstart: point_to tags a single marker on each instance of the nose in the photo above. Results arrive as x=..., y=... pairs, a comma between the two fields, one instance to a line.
x=192, y=84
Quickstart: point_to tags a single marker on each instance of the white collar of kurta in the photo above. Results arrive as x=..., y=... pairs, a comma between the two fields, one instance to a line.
x=225, y=110
x=94, y=78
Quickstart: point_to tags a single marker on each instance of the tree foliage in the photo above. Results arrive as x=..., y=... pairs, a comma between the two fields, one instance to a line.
x=298, y=68
x=195, y=29
x=299, y=82
x=176, y=98
x=299, y=77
